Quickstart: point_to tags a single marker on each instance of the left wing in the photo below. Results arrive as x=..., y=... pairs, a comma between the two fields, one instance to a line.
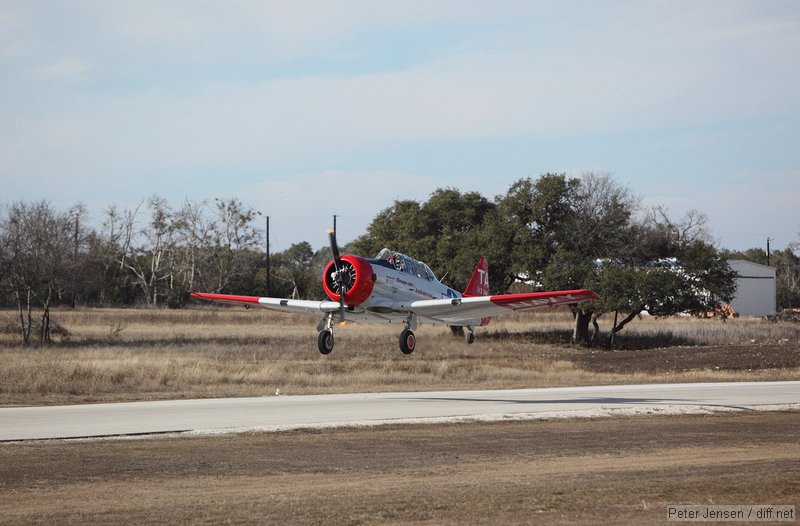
x=458, y=310
x=280, y=304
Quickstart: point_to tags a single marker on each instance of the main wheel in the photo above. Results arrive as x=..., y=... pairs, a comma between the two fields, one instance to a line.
x=325, y=341
x=470, y=337
x=407, y=341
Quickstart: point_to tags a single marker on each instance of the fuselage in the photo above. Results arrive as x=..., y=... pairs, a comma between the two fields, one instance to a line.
x=397, y=280
x=400, y=278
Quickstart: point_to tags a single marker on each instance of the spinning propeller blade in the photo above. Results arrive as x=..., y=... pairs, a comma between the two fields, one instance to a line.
x=340, y=274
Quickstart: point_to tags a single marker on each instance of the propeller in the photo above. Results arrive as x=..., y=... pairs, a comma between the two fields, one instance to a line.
x=343, y=277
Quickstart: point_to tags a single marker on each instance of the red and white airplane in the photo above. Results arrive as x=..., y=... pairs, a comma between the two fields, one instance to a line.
x=394, y=288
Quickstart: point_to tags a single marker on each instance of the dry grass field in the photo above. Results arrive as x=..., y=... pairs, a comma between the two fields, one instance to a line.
x=612, y=471
x=147, y=354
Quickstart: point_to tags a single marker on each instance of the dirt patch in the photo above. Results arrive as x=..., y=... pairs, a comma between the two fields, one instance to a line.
x=611, y=470
x=742, y=357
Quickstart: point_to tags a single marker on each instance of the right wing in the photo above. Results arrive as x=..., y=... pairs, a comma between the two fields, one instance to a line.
x=464, y=311
x=280, y=304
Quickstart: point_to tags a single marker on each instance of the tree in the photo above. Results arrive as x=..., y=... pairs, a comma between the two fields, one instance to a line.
x=37, y=244
x=698, y=280
x=663, y=236
x=146, y=253
x=533, y=221
x=293, y=272
x=230, y=235
x=599, y=226
x=193, y=233
x=446, y=232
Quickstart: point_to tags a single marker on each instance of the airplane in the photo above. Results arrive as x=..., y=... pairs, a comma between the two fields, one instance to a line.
x=395, y=288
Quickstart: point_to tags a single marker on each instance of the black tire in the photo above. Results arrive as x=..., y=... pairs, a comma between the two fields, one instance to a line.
x=470, y=337
x=408, y=341
x=325, y=341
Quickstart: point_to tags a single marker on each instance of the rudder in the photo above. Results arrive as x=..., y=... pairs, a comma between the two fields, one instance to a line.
x=479, y=282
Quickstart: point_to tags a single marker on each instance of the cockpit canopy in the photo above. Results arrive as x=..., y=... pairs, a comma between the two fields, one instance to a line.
x=405, y=264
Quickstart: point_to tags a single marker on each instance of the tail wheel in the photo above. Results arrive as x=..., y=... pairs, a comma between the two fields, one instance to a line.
x=325, y=341
x=457, y=330
x=408, y=341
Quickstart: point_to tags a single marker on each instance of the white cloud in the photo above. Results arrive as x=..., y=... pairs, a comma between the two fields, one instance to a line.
x=172, y=91
x=66, y=69
x=302, y=205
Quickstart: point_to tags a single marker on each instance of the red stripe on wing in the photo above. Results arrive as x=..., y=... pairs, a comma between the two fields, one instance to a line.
x=225, y=298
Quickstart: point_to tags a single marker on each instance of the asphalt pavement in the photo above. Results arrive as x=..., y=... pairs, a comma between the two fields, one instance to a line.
x=276, y=413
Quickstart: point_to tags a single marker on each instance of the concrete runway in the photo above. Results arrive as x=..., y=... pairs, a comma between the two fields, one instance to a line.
x=277, y=413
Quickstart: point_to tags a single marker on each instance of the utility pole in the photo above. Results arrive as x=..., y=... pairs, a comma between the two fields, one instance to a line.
x=268, y=284
x=75, y=255
x=768, y=240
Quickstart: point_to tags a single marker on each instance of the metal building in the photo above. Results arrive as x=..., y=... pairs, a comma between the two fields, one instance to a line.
x=755, y=288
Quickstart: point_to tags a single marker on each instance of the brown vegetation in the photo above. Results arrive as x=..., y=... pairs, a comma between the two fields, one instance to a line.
x=613, y=471
x=147, y=354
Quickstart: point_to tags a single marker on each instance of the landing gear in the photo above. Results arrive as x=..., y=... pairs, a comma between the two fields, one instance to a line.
x=458, y=330
x=325, y=341
x=407, y=341
x=470, y=336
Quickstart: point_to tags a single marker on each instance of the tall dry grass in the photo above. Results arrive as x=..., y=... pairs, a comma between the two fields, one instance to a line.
x=143, y=354
x=648, y=331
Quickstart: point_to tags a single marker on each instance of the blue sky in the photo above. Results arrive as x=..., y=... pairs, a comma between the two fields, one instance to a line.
x=304, y=109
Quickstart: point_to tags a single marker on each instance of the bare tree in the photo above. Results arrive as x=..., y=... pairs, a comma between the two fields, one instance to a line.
x=145, y=252
x=603, y=213
x=671, y=234
x=37, y=243
x=193, y=233
x=231, y=234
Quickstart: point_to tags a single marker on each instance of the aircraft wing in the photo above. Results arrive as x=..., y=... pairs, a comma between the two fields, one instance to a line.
x=280, y=304
x=457, y=311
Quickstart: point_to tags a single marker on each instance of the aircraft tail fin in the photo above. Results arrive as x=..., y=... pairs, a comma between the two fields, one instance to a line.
x=479, y=282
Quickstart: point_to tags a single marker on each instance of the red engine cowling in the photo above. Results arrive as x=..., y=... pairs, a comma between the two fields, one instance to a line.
x=359, y=279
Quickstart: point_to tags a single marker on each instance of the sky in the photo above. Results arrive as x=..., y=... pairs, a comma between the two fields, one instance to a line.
x=305, y=109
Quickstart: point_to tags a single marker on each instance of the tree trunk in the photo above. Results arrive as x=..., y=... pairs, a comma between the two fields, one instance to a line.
x=611, y=336
x=44, y=336
x=596, y=329
x=581, y=331
x=626, y=320
x=25, y=325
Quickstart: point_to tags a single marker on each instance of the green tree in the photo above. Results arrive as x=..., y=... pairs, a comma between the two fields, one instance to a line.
x=446, y=232
x=533, y=223
x=697, y=280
